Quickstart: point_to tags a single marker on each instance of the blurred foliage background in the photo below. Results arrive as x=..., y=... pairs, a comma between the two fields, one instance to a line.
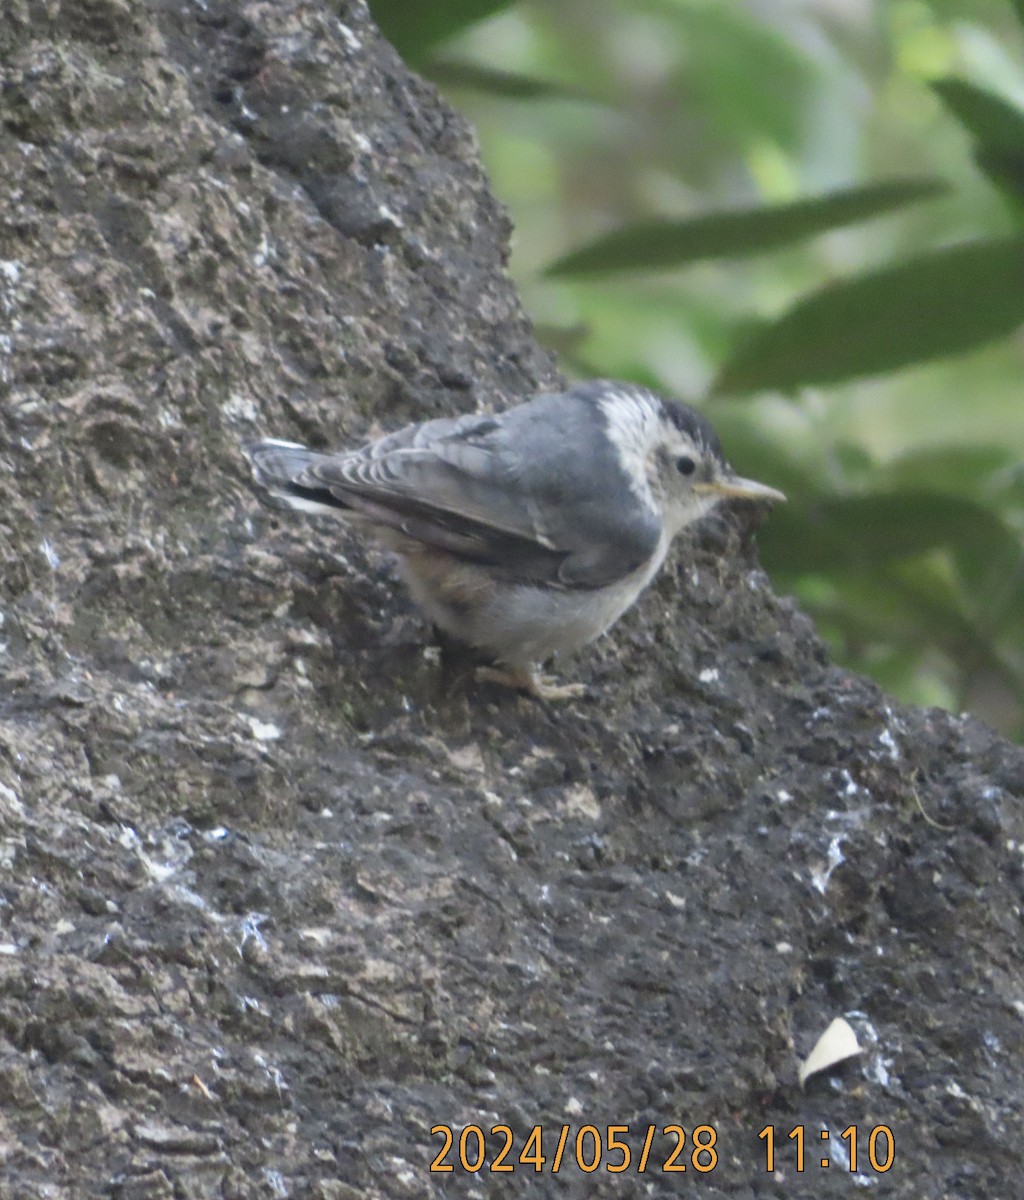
x=806, y=216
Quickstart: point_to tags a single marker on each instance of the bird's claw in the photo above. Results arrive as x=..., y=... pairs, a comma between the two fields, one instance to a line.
x=541, y=686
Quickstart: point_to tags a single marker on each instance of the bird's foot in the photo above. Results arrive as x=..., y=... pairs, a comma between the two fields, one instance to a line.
x=525, y=680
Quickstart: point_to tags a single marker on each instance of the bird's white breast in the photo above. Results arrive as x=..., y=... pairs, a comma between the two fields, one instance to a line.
x=526, y=624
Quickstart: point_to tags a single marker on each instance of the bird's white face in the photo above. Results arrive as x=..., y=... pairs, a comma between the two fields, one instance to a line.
x=677, y=467
x=672, y=456
x=688, y=478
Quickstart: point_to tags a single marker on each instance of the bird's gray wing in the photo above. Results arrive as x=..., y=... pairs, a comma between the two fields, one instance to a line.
x=516, y=492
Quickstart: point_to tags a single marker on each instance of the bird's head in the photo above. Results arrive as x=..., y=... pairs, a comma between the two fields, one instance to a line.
x=673, y=454
x=688, y=471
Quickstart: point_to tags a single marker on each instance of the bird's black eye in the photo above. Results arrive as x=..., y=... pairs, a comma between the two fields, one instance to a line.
x=685, y=465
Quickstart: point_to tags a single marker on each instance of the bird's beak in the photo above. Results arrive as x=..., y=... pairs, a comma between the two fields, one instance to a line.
x=736, y=488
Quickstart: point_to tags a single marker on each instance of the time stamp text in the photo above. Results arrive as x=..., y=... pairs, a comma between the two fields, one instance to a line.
x=621, y=1148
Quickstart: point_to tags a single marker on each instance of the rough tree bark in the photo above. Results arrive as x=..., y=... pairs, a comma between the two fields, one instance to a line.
x=276, y=895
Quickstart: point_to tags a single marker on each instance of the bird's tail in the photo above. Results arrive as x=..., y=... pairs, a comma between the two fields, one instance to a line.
x=283, y=472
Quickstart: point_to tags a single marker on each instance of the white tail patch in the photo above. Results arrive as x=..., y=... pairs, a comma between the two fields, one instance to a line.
x=281, y=445
x=304, y=504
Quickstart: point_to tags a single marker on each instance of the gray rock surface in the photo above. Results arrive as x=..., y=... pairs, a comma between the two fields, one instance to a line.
x=278, y=892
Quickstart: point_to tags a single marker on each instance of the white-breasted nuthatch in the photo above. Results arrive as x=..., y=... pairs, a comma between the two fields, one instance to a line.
x=525, y=533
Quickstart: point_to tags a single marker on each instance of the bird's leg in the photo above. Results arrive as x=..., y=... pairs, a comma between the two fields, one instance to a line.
x=525, y=679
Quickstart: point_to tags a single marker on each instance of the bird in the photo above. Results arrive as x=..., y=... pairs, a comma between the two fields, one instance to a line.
x=525, y=533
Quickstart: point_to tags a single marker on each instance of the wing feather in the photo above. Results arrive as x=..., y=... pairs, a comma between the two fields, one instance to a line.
x=526, y=493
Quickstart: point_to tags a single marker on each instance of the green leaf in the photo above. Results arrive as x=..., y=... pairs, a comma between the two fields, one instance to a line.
x=1019, y=9
x=997, y=127
x=853, y=533
x=739, y=74
x=940, y=303
x=456, y=73
x=914, y=606
x=413, y=27
x=659, y=244
x=964, y=470
x=991, y=120
x=1005, y=170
